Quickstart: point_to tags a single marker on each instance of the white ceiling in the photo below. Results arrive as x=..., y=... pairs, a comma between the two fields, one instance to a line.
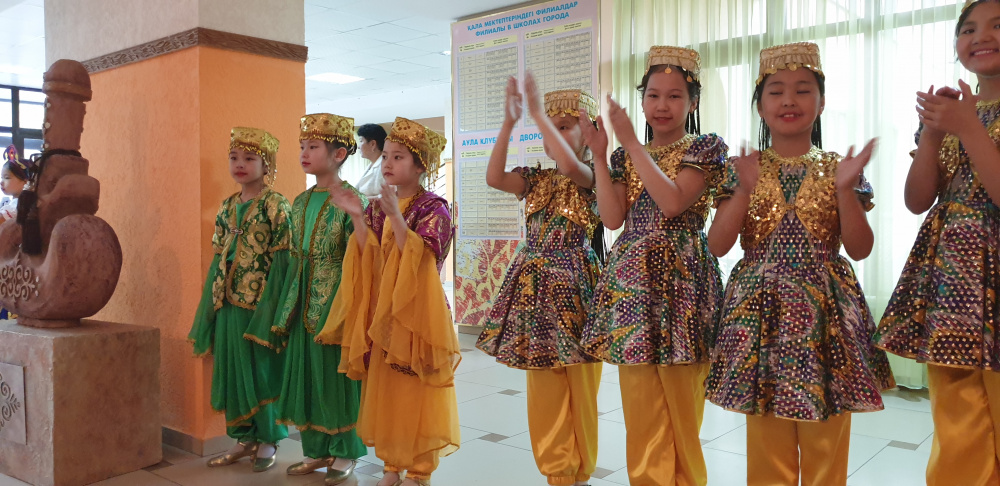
x=22, y=42
x=396, y=45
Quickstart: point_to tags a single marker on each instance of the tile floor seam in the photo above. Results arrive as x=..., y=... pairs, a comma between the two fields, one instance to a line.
x=862, y=466
x=165, y=479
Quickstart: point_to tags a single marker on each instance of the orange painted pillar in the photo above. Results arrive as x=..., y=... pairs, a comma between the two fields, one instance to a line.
x=157, y=137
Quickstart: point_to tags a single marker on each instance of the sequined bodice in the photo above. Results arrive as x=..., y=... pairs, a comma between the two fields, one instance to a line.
x=645, y=216
x=804, y=186
x=791, y=242
x=960, y=182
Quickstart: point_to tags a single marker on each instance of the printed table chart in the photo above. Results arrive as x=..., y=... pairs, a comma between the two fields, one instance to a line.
x=487, y=212
x=561, y=62
x=483, y=86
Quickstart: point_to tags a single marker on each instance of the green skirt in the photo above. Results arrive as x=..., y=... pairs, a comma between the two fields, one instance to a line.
x=314, y=395
x=246, y=376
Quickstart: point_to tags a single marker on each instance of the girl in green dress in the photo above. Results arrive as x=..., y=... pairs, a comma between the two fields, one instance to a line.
x=251, y=255
x=322, y=403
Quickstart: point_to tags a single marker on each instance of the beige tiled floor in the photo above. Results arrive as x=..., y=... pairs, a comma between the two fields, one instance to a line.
x=888, y=448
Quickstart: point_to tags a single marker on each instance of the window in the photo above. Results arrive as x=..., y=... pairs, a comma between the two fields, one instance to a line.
x=22, y=112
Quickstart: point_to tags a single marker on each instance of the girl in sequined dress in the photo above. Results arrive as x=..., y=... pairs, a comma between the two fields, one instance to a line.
x=944, y=309
x=655, y=306
x=794, y=350
x=538, y=313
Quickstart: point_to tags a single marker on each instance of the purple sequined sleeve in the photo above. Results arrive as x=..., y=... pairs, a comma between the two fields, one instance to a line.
x=431, y=220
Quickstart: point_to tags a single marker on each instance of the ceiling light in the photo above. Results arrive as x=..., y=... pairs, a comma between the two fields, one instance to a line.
x=335, y=78
x=445, y=53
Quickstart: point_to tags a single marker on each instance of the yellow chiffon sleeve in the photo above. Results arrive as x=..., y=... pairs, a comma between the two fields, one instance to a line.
x=353, y=306
x=412, y=322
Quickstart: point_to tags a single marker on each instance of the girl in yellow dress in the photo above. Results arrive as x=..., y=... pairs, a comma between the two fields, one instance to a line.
x=391, y=318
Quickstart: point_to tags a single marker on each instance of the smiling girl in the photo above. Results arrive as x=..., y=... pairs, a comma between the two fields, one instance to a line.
x=655, y=305
x=944, y=310
x=794, y=350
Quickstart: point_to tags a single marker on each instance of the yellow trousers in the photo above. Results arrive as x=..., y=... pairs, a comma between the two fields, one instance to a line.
x=663, y=407
x=562, y=421
x=965, y=405
x=780, y=450
x=422, y=467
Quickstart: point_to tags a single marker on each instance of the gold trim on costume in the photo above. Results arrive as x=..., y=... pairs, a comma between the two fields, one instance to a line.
x=790, y=56
x=201, y=355
x=230, y=273
x=255, y=339
x=242, y=419
x=682, y=57
x=318, y=428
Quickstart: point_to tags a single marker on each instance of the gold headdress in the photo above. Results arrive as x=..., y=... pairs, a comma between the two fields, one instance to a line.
x=790, y=56
x=329, y=128
x=259, y=142
x=568, y=102
x=682, y=57
x=424, y=142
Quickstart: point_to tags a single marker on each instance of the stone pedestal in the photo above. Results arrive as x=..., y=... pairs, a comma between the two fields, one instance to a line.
x=91, y=404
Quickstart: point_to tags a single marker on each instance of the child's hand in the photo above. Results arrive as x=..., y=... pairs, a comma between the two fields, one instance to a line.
x=534, y=98
x=346, y=200
x=512, y=104
x=595, y=137
x=621, y=124
x=389, y=202
x=747, y=167
x=850, y=168
x=948, y=114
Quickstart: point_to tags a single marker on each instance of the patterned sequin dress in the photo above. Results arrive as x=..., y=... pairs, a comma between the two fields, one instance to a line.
x=795, y=330
x=538, y=314
x=659, y=296
x=944, y=309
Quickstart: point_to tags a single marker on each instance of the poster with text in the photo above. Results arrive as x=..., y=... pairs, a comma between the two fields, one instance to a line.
x=557, y=42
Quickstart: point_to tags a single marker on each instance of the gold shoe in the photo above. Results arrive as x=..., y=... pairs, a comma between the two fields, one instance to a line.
x=261, y=464
x=336, y=476
x=300, y=468
x=249, y=450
